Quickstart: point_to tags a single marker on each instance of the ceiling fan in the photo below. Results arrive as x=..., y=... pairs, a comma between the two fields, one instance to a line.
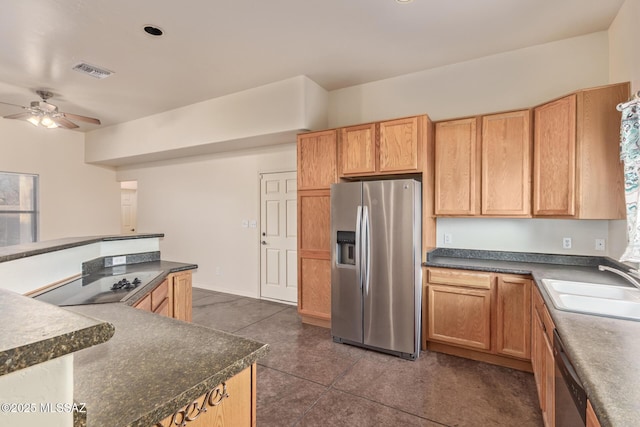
x=43, y=114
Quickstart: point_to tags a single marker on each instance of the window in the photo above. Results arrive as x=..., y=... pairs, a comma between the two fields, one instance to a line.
x=18, y=208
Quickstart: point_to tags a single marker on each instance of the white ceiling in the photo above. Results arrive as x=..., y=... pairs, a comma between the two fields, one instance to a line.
x=212, y=48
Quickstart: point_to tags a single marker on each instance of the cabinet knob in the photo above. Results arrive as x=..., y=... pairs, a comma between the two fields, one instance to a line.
x=263, y=242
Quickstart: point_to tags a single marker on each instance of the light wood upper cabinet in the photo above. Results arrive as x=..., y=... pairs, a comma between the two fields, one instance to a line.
x=400, y=147
x=317, y=164
x=383, y=148
x=358, y=152
x=457, y=167
x=483, y=165
x=555, y=158
x=506, y=164
x=577, y=170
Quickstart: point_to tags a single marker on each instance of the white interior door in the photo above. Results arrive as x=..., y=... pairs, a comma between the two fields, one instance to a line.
x=128, y=210
x=278, y=237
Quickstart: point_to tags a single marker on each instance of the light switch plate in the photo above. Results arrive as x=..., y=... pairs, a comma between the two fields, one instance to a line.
x=253, y=223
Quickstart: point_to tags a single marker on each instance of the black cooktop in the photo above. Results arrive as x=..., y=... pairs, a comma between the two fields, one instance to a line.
x=98, y=290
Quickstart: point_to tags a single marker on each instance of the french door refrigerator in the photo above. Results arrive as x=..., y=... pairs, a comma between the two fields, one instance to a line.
x=376, y=275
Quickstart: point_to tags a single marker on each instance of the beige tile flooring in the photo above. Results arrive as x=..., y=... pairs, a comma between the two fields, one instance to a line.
x=308, y=380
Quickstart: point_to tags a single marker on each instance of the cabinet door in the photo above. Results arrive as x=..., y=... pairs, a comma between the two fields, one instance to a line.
x=229, y=404
x=549, y=371
x=513, y=314
x=460, y=316
x=317, y=165
x=554, y=165
x=400, y=149
x=314, y=255
x=358, y=151
x=144, y=303
x=506, y=164
x=538, y=358
x=182, y=296
x=457, y=168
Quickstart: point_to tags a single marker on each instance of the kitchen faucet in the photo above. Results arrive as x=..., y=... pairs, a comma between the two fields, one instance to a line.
x=631, y=276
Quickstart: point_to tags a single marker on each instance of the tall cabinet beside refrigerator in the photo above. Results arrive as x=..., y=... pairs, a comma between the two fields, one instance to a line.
x=376, y=276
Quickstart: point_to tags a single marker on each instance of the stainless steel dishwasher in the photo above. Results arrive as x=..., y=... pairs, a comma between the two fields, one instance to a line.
x=570, y=397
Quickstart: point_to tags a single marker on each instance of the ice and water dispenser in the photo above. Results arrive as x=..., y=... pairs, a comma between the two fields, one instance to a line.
x=346, y=248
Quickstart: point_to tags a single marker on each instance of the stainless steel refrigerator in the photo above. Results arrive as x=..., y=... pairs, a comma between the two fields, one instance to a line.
x=376, y=275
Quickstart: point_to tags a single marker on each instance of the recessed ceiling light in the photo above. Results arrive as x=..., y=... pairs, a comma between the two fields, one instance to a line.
x=403, y=1
x=153, y=30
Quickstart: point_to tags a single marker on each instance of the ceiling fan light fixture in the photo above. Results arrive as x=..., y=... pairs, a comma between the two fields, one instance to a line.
x=48, y=122
x=34, y=120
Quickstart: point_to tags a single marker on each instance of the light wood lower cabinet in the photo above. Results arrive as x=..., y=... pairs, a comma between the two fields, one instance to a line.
x=592, y=420
x=171, y=298
x=232, y=403
x=479, y=315
x=542, y=356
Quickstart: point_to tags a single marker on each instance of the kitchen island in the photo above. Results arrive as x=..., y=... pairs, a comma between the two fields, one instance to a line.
x=144, y=369
x=603, y=350
x=154, y=366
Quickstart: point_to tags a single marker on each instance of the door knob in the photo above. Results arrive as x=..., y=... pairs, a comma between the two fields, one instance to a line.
x=263, y=242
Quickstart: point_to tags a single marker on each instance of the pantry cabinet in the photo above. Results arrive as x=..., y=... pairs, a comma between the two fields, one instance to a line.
x=577, y=172
x=316, y=154
x=479, y=315
x=542, y=360
x=317, y=170
x=382, y=148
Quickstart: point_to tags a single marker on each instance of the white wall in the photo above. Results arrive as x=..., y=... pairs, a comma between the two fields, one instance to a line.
x=199, y=204
x=248, y=119
x=47, y=382
x=624, y=64
x=76, y=199
x=517, y=79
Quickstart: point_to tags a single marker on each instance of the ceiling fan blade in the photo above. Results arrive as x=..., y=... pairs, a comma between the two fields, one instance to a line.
x=18, y=116
x=64, y=123
x=81, y=118
x=13, y=105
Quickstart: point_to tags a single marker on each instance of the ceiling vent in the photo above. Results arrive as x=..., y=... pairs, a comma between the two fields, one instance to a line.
x=92, y=70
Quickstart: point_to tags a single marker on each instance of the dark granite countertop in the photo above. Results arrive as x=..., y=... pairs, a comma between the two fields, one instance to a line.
x=153, y=366
x=166, y=267
x=10, y=253
x=33, y=332
x=603, y=350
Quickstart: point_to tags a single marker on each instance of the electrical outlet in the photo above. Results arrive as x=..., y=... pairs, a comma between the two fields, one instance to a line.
x=119, y=260
x=448, y=239
x=217, y=271
x=566, y=242
x=253, y=223
x=600, y=244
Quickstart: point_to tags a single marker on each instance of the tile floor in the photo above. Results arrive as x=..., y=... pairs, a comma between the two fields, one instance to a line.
x=308, y=380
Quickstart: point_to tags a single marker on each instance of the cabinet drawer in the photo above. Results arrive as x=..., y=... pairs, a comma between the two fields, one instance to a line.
x=163, y=308
x=460, y=278
x=159, y=294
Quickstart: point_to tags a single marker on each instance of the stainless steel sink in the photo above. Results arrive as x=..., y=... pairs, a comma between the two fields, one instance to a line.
x=592, y=298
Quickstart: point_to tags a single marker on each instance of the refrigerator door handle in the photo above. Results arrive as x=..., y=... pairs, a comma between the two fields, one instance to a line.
x=358, y=245
x=366, y=247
